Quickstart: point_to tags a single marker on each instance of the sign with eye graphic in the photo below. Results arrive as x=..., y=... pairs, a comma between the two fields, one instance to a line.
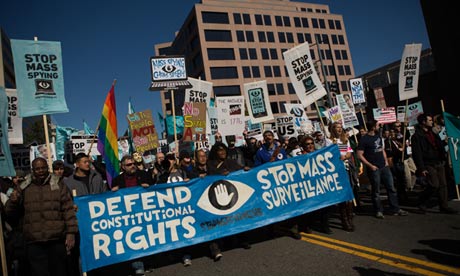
x=169, y=72
x=39, y=77
x=135, y=222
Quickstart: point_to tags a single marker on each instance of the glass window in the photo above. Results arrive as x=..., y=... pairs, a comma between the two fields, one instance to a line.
x=312, y=54
x=246, y=72
x=258, y=19
x=217, y=35
x=237, y=18
x=252, y=53
x=246, y=19
x=286, y=21
x=300, y=38
x=249, y=36
x=262, y=37
x=334, y=39
x=280, y=89
x=309, y=10
x=271, y=89
x=273, y=53
x=322, y=25
x=255, y=71
x=267, y=20
x=325, y=38
x=344, y=55
x=331, y=24
x=270, y=37
x=240, y=36
x=304, y=22
x=218, y=73
x=297, y=22
x=341, y=40
x=274, y=106
x=282, y=107
x=290, y=37
x=344, y=85
x=314, y=23
x=328, y=54
x=276, y=71
x=268, y=71
x=341, y=70
x=291, y=88
x=324, y=67
x=282, y=37
x=230, y=90
x=264, y=52
x=215, y=17
x=308, y=38
x=244, y=54
x=347, y=70
x=338, y=25
x=337, y=54
x=331, y=70
x=221, y=54
x=278, y=21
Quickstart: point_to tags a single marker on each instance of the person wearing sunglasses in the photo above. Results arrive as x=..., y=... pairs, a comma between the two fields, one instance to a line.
x=131, y=176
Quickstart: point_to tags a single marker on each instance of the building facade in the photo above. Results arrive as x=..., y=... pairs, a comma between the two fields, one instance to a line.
x=230, y=43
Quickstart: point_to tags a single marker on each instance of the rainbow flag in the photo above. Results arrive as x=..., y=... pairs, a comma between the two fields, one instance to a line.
x=107, y=142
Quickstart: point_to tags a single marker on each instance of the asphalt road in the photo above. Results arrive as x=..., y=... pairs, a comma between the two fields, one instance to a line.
x=418, y=244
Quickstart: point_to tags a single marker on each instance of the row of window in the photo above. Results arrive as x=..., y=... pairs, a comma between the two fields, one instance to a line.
x=251, y=72
x=267, y=53
x=283, y=37
x=265, y=20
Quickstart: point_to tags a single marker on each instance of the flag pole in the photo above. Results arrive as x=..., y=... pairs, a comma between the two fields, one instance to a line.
x=47, y=139
x=97, y=128
x=449, y=161
x=320, y=117
x=3, y=250
x=176, y=148
x=364, y=120
x=404, y=130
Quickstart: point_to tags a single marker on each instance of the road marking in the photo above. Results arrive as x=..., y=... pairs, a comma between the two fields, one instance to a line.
x=327, y=243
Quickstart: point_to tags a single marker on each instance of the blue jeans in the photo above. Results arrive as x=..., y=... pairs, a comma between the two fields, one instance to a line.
x=383, y=176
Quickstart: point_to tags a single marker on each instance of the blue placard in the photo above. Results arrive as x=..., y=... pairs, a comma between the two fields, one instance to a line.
x=6, y=161
x=135, y=222
x=39, y=77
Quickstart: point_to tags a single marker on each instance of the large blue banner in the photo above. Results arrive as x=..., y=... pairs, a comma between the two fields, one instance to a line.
x=39, y=77
x=135, y=222
x=6, y=161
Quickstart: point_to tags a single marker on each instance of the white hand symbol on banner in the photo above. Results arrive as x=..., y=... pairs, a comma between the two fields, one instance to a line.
x=222, y=196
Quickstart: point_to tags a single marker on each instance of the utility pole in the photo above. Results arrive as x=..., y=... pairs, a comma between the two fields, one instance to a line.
x=329, y=99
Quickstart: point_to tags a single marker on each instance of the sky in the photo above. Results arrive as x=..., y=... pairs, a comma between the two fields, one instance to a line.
x=106, y=40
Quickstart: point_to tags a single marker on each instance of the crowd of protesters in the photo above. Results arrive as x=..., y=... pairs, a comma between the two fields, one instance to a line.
x=40, y=217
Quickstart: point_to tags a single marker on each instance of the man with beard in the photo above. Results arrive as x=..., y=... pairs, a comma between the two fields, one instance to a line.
x=49, y=222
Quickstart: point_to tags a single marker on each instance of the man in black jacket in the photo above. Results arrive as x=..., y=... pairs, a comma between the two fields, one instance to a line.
x=429, y=157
